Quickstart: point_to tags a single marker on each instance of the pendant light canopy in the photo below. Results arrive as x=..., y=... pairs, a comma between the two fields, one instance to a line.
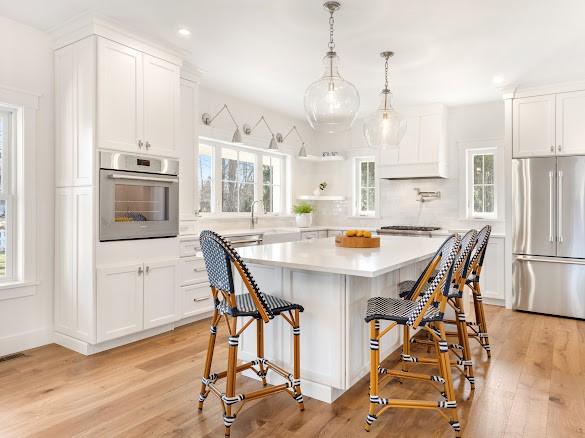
x=331, y=102
x=385, y=127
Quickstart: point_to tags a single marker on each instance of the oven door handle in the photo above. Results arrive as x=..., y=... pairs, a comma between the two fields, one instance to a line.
x=143, y=178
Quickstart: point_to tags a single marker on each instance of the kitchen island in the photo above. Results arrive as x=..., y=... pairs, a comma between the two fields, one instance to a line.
x=333, y=285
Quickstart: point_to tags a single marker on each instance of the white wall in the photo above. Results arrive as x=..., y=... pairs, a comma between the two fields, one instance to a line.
x=398, y=203
x=27, y=65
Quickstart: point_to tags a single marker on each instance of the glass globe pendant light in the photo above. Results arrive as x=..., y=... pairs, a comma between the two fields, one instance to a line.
x=385, y=128
x=331, y=102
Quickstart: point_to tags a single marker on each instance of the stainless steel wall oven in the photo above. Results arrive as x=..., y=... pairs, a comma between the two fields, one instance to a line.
x=139, y=197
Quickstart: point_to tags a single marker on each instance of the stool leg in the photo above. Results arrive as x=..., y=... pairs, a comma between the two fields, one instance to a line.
x=230, y=389
x=480, y=319
x=209, y=357
x=442, y=348
x=374, y=365
x=260, y=347
x=297, y=359
x=405, y=346
x=464, y=341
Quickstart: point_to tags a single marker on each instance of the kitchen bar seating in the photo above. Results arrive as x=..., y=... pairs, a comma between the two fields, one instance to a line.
x=219, y=258
x=425, y=313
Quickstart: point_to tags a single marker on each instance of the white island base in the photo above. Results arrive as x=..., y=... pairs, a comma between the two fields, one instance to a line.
x=333, y=285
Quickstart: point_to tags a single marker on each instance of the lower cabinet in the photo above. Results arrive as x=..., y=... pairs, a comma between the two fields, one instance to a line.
x=135, y=297
x=492, y=275
x=197, y=299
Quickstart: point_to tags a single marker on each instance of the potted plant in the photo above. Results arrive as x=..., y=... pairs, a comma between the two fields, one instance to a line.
x=304, y=214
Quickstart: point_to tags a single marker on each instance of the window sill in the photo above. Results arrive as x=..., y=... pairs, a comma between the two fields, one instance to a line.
x=17, y=289
x=234, y=216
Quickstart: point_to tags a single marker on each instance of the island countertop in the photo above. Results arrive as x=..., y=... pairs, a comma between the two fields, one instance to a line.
x=321, y=255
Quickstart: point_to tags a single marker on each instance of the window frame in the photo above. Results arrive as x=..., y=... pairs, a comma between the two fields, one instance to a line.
x=8, y=188
x=217, y=178
x=470, y=154
x=357, y=211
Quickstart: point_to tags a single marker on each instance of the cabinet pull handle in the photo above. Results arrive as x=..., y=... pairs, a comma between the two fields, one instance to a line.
x=200, y=299
x=199, y=269
x=559, y=147
x=147, y=269
x=147, y=145
x=552, y=148
x=140, y=270
x=140, y=144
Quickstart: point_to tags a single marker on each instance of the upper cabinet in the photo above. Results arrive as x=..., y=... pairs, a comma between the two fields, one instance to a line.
x=549, y=125
x=423, y=150
x=138, y=101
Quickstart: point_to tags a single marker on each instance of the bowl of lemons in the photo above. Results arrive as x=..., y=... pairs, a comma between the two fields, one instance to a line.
x=358, y=239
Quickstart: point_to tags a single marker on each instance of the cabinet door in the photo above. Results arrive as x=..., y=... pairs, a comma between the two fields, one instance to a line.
x=429, y=138
x=119, y=301
x=534, y=126
x=161, y=106
x=119, y=102
x=196, y=299
x=160, y=293
x=492, y=273
x=570, y=127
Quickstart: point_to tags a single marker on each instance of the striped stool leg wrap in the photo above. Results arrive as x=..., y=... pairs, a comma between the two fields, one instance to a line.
x=294, y=382
x=377, y=324
x=456, y=346
x=370, y=419
x=374, y=344
x=482, y=335
x=478, y=298
x=455, y=425
x=296, y=331
x=408, y=358
x=443, y=346
x=438, y=379
x=233, y=341
x=465, y=363
x=228, y=420
x=448, y=404
x=213, y=329
x=378, y=400
x=212, y=379
x=202, y=397
x=471, y=379
x=487, y=347
x=382, y=370
x=232, y=400
x=259, y=361
x=299, y=398
x=461, y=316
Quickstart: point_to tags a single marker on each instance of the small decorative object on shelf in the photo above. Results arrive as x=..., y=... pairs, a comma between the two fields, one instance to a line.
x=304, y=214
x=323, y=186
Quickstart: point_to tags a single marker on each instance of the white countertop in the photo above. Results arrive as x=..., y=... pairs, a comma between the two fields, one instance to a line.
x=321, y=255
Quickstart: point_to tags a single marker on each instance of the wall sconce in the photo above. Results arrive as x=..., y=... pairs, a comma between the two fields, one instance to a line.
x=273, y=139
x=302, y=151
x=208, y=120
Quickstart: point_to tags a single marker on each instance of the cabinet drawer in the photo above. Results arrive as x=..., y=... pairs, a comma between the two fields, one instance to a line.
x=192, y=271
x=196, y=300
x=189, y=248
x=307, y=235
x=333, y=233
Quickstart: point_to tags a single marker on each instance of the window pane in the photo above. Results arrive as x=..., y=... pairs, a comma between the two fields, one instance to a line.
x=205, y=168
x=276, y=171
x=363, y=173
x=488, y=169
x=246, y=197
x=371, y=199
x=371, y=176
x=246, y=167
x=133, y=203
x=3, y=140
x=276, y=199
x=229, y=197
x=363, y=199
x=266, y=173
x=229, y=164
x=478, y=169
x=2, y=238
x=267, y=198
x=477, y=199
x=489, y=199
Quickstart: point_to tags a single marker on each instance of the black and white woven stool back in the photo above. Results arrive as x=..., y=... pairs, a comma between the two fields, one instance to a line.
x=482, y=240
x=219, y=255
x=463, y=260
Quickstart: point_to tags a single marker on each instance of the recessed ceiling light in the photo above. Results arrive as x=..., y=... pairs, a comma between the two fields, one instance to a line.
x=184, y=32
x=498, y=80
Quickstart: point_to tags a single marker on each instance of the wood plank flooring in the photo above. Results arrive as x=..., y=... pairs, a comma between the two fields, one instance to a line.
x=534, y=386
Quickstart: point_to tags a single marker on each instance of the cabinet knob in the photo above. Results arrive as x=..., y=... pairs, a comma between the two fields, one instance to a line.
x=140, y=144
x=559, y=147
x=552, y=148
x=147, y=269
x=147, y=145
x=140, y=270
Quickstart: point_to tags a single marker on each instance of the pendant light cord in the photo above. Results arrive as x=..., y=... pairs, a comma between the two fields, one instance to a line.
x=331, y=24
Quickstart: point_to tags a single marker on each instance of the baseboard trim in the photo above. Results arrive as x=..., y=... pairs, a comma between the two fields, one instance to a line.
x=25, y=341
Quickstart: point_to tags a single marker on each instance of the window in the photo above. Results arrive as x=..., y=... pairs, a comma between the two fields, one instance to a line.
x=7, y=201
x=481, y=183
x=365, y=186
x=232, y=177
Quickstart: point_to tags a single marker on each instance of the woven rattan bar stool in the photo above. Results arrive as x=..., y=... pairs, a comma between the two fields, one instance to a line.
x=425, y=313
x=256, y=306
x=461, y=351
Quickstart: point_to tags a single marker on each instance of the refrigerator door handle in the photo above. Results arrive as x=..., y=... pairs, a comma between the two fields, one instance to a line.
x=551, y=237
x=560, y=207
x=563, y=261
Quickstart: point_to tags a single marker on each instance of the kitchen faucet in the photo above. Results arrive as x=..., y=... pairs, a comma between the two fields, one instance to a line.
x=254, y=220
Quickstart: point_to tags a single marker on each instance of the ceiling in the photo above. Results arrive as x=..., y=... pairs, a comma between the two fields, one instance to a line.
x=267, y=52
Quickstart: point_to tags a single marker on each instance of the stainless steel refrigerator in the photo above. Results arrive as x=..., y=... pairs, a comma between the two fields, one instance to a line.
x=549, y=235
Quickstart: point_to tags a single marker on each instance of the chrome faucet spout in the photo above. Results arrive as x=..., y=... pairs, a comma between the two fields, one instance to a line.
x=254, y=219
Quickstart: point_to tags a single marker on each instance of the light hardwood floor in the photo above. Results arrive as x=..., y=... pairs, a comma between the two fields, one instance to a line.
x=534, y=386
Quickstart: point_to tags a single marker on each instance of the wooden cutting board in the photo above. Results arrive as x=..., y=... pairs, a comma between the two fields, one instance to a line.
x=357, y=242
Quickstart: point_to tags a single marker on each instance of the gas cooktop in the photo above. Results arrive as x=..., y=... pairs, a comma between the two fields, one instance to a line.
x=407, y=230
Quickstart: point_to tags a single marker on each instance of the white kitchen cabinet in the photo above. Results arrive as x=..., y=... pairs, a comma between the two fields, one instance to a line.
x=196, y=300
x=570, y=123
x=161, y=106
x=160, y=293
x=534, y=126
x=309, y=235
x=422, y=153
x=492, y=274
x=334, y=233
x=120, y=97
x=120, y=301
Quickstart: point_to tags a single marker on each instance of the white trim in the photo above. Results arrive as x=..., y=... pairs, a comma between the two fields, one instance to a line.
x=15, y=98
x=356, y=161
x=515, y=92
x=25, y=341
